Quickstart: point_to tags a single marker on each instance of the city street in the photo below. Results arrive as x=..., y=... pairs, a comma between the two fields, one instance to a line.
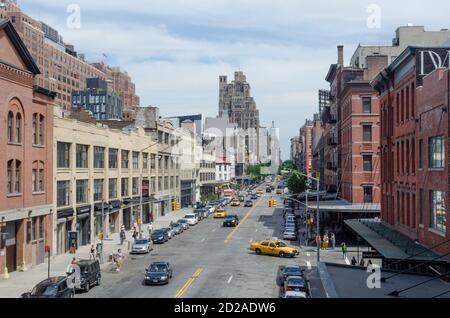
x=210, y=261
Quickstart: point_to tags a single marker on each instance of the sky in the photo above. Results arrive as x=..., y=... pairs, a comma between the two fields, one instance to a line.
x=175, y=50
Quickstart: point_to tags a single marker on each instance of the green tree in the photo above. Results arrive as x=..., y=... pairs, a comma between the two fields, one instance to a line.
x=296, y=183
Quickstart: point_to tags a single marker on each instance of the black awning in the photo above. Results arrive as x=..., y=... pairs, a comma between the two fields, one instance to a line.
x=126, y=201
x=117, y=204
x=84, y=210
x=145, y=199
x=98, y=207
x=65, y=213
x=136, y=200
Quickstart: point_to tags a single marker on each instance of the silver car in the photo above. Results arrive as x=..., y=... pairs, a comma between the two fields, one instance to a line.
x=170, y=232
x=142, y=246
x=184, y=223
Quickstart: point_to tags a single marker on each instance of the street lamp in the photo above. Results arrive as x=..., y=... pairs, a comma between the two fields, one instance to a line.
x=318, y=209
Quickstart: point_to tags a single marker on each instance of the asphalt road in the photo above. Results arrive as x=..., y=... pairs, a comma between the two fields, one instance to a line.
x=210, y=261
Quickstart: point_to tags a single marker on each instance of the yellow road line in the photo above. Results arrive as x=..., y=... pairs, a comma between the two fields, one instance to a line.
x=188, y=283
x=242, y=221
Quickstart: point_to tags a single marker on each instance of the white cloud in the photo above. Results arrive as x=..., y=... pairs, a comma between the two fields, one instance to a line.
x=285, y=62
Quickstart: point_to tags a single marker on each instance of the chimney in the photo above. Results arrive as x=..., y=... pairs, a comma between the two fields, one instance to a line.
x=340, y=55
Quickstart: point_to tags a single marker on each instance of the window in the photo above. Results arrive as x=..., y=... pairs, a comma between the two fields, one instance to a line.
x=145, y=160
x=98, y=189
x=10, y=126
x=152, y=161
x=41, y=130
x=436, y=152
x=367, y=163
x=166, y=183
x=41, y=228
x=82, y=191
x=113, y=157
x=420, y=154
x=82, y=156
x=63, y=155
x=160, y=184
x=438, y=218
x=166, y=162
x=421, y=206
x=99, y=157
x=368, y=194
x=63, y=193
x=124, y=187
x=135, y=186
x=135, y=158
x=367, y=133
x=34, y=130
x=9, y=185
x=18, y=176
x=125, y=159
x=367, y=104
x=41, y=180
x=34, y=178
x=18, y=135
x=112, y=186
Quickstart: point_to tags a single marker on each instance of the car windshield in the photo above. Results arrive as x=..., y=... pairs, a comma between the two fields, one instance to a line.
x=296, y=281
x=141, y=242
x=183, y=221
x=158, y=232
x=158, y=268
x=191, y=216
x=290, y=270
x=45, y=290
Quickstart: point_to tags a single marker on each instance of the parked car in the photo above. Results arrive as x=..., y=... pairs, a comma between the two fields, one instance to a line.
x=170, y=232
x=248, y=204
x=191, y=218
x=184, y=223
x=142, y=246
x=200, y=213
x=160, y=236
x=296, y=283
x=182, y=228
x=90, y=274
x=176, y=228
x=158, y=273
x=53, y=287
x=231, y=220
x=273, y=247
x=287, y=271
x=210, y=208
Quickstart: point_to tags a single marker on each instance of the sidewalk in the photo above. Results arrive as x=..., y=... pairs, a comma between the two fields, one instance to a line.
x=21, y=282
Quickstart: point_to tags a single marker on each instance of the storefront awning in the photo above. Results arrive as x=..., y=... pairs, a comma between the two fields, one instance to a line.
x=65, y=213
x=388, y=242
x=83, y=210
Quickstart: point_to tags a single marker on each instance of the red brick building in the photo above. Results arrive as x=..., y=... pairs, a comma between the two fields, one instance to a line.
x=414, y=141
x=26, y=163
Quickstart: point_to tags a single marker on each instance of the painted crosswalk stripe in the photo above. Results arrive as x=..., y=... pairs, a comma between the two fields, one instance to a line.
x=230, y=279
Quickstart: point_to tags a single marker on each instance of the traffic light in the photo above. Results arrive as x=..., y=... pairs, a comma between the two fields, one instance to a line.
x=177, y=205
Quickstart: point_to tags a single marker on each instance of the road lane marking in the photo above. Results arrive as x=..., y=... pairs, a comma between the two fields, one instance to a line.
x=202, y=240
x=308, y=263
x=229, y=237
x=256, y=231
x=230, y=279
x=188, y=283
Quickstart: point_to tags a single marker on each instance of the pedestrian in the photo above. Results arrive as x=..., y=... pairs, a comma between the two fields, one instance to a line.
x=92, y=252
x=369, y=263
x=119, y=258
x=135, y=235
x=318, y=240
x=74, y=261
x=326, y=242
x=122, y=236
x=362, y=262
x=150, y=229
x=344, y=250
x=333, y=241
x=354, y=261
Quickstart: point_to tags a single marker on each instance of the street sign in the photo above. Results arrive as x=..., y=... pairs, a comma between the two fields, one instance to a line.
x=371, y=255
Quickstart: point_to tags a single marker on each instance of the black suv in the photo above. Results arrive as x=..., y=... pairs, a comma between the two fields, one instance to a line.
x=90, y=274
x=54, y=287
x=231, y=220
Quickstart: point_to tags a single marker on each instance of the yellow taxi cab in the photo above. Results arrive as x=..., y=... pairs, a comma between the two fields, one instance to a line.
x=235, y=202
x=220, y=214
x=260, y=191
x=274, y=247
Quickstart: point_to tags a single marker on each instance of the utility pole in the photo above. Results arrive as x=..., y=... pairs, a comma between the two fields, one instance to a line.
x=102, y=258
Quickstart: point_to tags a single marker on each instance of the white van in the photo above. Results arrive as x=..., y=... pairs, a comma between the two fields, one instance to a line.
x=191, y=218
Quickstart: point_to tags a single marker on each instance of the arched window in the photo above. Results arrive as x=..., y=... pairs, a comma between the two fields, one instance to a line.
x=18, y=135
x=10, y=126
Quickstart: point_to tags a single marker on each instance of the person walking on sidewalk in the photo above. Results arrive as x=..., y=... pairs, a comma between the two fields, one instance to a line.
x=150, y=229
x=354, y=261
x=92, y=252
x=344, y=250
x=122, y=236
x=333, y=241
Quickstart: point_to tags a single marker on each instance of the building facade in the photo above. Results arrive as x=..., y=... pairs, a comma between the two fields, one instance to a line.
x=26, y=160
x=103, y=103
x=414, y=122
